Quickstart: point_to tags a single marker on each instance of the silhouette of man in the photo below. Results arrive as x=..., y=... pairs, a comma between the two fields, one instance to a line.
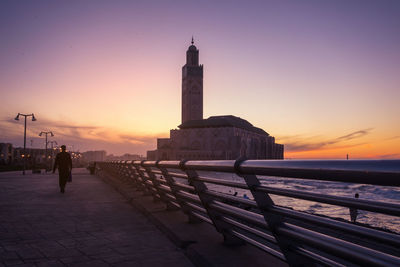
x=64, y=163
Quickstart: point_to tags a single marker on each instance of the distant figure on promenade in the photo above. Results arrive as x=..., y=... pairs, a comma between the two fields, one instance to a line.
x=354, y=211
x=64, y=163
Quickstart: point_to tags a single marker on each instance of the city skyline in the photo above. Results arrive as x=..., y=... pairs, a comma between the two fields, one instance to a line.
x=320, y=77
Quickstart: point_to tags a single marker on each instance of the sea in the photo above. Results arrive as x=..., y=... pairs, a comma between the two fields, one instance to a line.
x=385, y=194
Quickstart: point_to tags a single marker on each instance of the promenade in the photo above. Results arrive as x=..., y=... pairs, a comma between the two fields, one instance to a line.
x=90, y=225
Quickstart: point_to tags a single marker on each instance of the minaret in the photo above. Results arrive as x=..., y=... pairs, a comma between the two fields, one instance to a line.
x=192, y=86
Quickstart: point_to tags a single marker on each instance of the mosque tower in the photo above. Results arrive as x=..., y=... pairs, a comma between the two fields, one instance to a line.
x=192, y=86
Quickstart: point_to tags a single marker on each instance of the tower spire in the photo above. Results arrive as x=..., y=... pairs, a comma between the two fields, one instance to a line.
x=192, y=40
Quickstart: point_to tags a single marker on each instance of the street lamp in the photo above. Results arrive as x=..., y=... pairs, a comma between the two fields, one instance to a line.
x=51, y=134
x=52, y=151
x=17, y=119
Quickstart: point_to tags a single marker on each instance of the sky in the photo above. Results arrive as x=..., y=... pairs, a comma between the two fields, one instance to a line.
x=322, y=77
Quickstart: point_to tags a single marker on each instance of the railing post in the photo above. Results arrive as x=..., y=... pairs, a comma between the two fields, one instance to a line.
x=170, y=181
x=112, y=168
x=133, y=175
x=118, y=168
x=264, y=203
x=156, y=185
x=220, y=225
x=146, y=189
x=123, y=172
x=127, y=174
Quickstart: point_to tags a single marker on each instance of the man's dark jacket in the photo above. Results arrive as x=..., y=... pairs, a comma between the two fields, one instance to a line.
x=63, y=162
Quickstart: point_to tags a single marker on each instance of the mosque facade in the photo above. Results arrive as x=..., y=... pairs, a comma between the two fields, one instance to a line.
x=218, y=137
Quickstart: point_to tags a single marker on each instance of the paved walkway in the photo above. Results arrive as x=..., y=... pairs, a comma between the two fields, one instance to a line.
x=90, y=225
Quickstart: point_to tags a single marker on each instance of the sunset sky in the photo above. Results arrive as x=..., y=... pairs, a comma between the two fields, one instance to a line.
x=323, y=77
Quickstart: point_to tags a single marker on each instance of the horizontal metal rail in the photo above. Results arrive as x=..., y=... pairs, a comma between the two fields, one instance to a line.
x=268, y=249
x=293, y=236
x=250, y=229
x=184, y=187
x=222, y=182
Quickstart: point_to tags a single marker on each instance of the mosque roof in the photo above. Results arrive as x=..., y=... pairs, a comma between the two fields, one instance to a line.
x=222, y=121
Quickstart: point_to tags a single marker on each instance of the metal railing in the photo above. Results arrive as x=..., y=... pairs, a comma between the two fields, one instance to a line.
x=296, y=237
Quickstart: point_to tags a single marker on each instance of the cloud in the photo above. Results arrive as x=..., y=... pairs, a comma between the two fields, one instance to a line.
x=298, y=143
x=389, y=156
x=354, y=135
x=134, y=139
x=393, y=138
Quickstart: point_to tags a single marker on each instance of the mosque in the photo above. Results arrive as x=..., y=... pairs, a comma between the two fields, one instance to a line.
x=218, y=137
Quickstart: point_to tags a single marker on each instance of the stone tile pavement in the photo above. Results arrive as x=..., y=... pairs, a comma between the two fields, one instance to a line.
x=90, y=225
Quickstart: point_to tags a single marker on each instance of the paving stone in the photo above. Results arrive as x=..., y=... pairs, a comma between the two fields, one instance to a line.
x=9, y=236
x=96, y=243
x=92, y=263
x=118, y=258
x=13, y=262
x=30, y=253
x=50, y=263
x=75, y=259
x=61, y=253
x=95, y=250
x=29, y=236
x=8, y=255
x=67, y=243
x=15, y=247
x=27, y=265
x=50, y=245
x=162, y=262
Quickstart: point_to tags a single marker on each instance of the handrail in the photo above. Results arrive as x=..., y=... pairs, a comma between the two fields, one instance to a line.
x=294, y=236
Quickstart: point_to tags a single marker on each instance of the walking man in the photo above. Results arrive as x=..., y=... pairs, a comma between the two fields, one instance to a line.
x=64, y=163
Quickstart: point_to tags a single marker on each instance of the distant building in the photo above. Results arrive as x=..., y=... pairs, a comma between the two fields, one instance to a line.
x=34, y=156
x=99, y=155
x=6, y=153
x=218, y=137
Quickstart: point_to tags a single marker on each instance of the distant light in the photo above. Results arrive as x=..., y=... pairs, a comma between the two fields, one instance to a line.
x=17, y=118
x=33, y=117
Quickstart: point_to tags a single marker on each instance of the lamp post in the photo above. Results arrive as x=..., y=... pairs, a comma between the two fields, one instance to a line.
x=51, y=134
x=17, y=119
x=52, y=151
